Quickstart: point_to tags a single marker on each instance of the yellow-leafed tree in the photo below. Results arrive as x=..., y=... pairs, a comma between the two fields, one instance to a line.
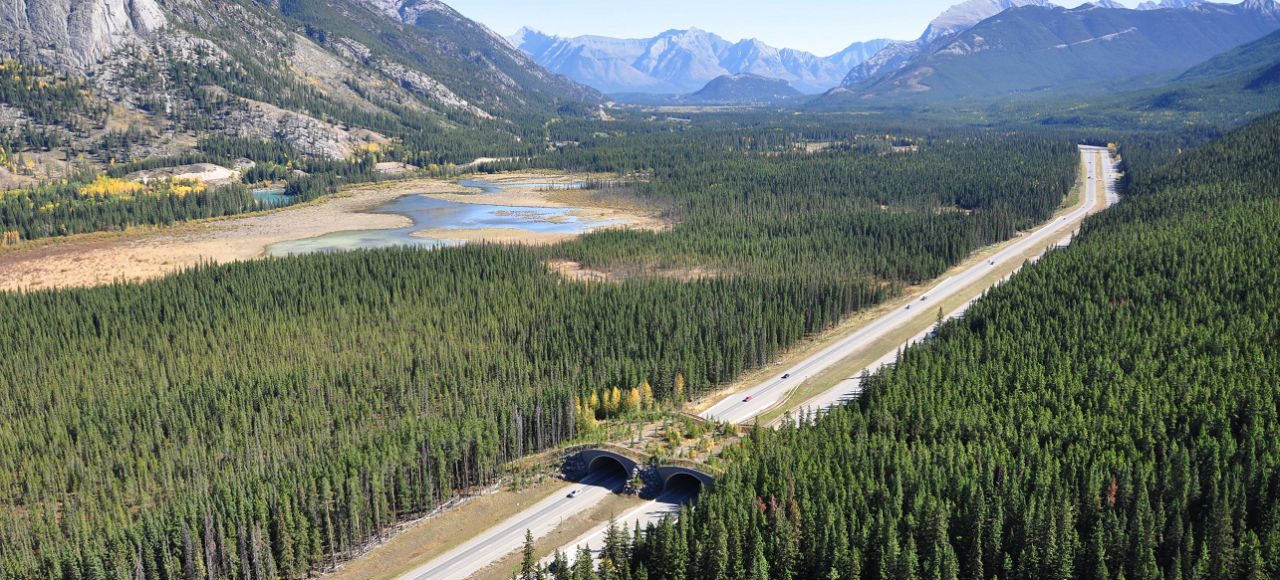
x=594, y=403
x=632, y=402
x=615, y=401
x=586, y=416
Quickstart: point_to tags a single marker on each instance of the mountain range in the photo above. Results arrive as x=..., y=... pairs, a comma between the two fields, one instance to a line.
x=323, y=75
x=684, y=61
x=1039, y=47
x=955, y=19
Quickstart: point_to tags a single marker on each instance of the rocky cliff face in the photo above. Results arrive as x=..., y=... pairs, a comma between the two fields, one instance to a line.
x=324, y=75
x=76, y=33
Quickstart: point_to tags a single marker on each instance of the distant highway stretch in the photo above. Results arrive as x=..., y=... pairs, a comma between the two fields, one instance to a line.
x=541, y=518
x=745, y=405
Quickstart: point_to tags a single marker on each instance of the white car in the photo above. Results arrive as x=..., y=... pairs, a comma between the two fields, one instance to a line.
x=575, y=492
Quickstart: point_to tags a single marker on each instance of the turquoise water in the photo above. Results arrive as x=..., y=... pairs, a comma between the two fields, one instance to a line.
x=430, y=214
x=270, y=198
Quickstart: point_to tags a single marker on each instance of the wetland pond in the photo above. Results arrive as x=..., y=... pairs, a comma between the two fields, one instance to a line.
x=270, y=198
x=434, y=214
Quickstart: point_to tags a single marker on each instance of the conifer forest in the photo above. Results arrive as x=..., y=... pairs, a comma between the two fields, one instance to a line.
x=685, y=283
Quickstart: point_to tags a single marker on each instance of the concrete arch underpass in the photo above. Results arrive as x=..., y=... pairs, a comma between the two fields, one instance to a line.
x=674, y=477
x=601, y=460
x=658, y=479
x=605, y=463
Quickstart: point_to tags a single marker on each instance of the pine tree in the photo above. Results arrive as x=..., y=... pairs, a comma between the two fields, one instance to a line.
x=584, y=566
x=529, y=569
x=560, y=567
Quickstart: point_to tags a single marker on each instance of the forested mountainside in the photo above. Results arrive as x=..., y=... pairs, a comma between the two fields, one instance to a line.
x=265, y=419
x=744, y=89
x=1257, y=64
x=324, y=76
x=1222, y=92
x=955, y=19
x=1108, y=413
x=1035, y=48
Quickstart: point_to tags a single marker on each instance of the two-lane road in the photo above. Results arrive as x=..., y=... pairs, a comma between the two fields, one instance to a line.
x=745, y=405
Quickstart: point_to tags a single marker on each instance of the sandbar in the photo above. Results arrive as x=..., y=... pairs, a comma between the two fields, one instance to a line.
x=149, y=252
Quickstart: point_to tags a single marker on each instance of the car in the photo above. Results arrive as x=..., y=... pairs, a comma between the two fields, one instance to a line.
x=993, y=262
x=748, y=399
x=908, y=307
x=575, y=492
x=786, y=375
x=923, y=298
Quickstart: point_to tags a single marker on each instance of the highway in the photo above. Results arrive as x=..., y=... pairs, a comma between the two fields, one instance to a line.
x=508, y=536
x=666, y=504
x=544, y=516
x=745, y=405
x=849, y=388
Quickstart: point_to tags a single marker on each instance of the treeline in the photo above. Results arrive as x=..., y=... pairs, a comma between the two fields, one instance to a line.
x=1109, y=413
x=59, y=210
x=748, y=199
x=62, y=208
x=265, y=418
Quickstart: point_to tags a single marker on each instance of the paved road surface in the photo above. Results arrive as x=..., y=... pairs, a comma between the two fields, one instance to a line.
x=508, y=536
x=745, y=405
x=848, y=389
x=666, y=504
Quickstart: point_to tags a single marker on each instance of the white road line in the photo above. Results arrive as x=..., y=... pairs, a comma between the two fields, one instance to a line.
x=747, y=404
x=541, y=518
x=506, y=537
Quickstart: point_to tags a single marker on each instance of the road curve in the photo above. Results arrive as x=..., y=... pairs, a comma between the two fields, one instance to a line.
x=745, y=405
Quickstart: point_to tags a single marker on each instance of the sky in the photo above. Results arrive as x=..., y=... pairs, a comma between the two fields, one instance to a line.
x=819, y=26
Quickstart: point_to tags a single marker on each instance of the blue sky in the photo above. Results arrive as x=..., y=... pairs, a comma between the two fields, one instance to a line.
x=819, y=26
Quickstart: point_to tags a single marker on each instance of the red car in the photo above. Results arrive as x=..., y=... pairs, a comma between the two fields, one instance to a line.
x=747, y=400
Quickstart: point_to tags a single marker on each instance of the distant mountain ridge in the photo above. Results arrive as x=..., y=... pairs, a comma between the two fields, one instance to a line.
x=684, y=61
x=1258, y=61
x=955, y=19
x=744, y=89
x=1034, y=48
